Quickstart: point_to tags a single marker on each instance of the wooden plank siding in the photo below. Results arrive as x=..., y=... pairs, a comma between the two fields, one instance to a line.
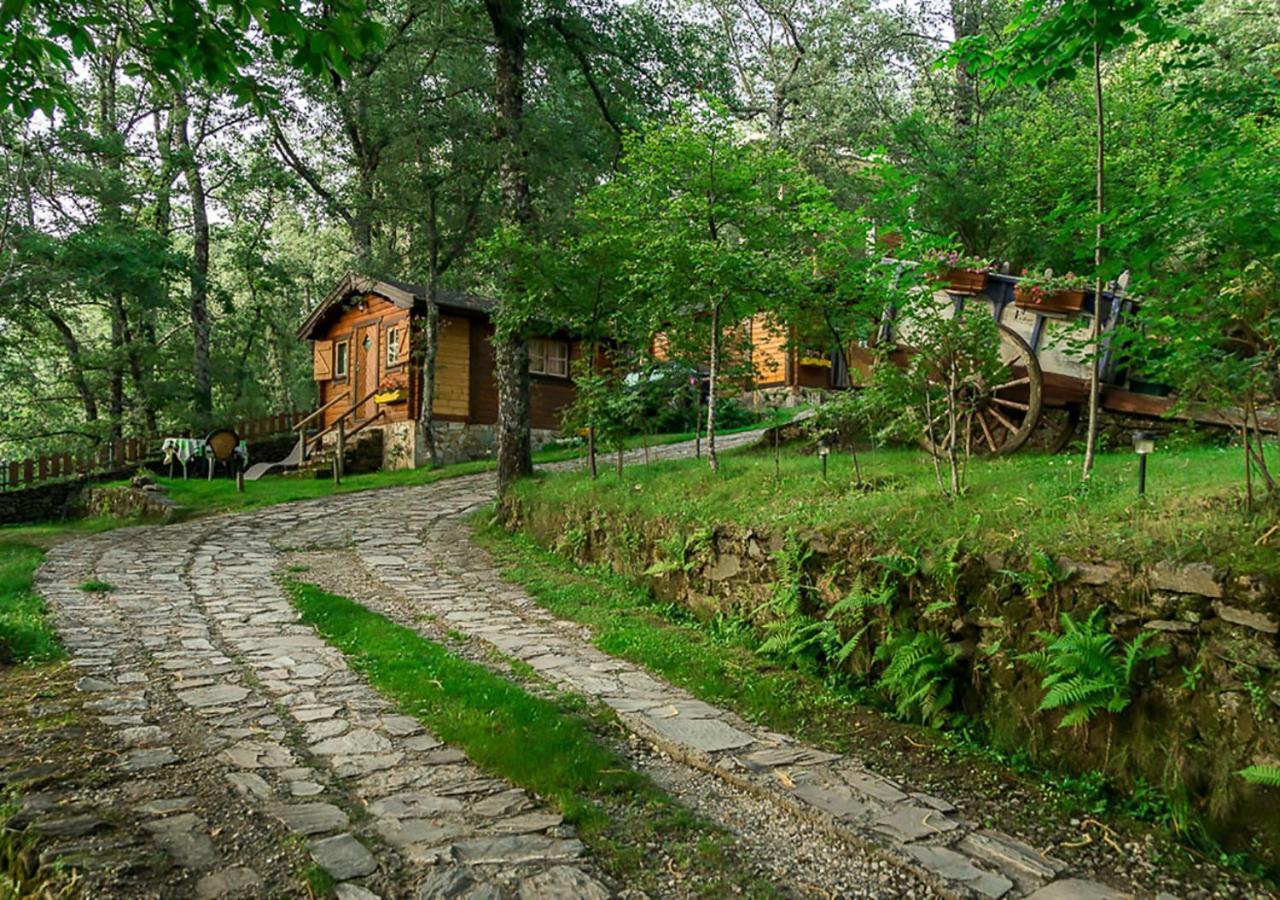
x=453, y=369
x=465, y=389
x=770, y=359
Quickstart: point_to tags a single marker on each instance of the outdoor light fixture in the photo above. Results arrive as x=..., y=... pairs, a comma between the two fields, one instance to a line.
x=823, y=452
x=1144, y=444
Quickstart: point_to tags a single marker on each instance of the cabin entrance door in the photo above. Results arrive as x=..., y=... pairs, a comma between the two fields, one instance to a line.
x=366, y=377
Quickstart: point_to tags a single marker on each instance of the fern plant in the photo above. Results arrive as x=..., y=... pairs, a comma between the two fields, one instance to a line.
x=1264, y=775
x=919, y=677
x=1086, y=669
x=1042, y=576
x=851, y=612
x=680, y=552
x=792, y=636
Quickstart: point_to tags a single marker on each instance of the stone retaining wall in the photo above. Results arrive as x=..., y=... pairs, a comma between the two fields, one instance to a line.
x=1200, y=714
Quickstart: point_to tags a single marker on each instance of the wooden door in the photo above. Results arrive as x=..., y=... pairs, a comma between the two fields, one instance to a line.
x=366, y=373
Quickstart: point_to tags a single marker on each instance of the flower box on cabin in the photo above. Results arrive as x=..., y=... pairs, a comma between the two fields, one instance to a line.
x=395, y=395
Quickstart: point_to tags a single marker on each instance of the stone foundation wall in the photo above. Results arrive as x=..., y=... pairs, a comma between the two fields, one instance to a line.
x=48, y=501
x=1187, y=733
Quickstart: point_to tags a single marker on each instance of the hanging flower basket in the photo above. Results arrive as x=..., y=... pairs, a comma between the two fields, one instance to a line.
x=395, y=395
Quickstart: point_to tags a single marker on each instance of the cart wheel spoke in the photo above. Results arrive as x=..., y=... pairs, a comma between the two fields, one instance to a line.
x=1013, y=429
x=986, y=433
x=1011, y=403
x=1017, y=382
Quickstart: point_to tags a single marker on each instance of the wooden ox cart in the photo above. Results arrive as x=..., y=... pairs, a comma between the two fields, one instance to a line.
x=1043, y=387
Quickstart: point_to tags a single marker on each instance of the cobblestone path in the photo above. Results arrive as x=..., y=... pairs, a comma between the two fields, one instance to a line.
x=198, y=665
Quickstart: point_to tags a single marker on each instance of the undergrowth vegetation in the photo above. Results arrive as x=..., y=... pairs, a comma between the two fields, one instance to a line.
x=798, y=662
x=25, y=633
x=1086, y=670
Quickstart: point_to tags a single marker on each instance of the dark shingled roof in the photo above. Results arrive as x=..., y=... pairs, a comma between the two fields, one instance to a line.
x=446, y=299
x=401, y=293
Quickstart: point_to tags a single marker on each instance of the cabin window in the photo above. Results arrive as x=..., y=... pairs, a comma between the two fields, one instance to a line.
x=340, y=360
x=393, y=347
x=549, y=357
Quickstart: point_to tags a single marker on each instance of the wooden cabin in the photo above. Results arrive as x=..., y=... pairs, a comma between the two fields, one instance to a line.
x=779, y=363
x=367, y=337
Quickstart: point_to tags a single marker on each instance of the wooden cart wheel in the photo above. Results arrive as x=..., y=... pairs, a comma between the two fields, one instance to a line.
x=1001, y=414
x=1056, y=429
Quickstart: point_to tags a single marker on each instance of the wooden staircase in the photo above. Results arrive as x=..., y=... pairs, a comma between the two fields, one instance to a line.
x=316, y=456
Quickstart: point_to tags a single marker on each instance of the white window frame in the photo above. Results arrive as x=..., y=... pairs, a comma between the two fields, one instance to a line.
x=393, y=346
x=341, y=359
x=540, y=357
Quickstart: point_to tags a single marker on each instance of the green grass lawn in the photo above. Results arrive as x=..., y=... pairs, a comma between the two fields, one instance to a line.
x=543, y=744
x=1193, y=509
x=199, y=496
x=626, y=621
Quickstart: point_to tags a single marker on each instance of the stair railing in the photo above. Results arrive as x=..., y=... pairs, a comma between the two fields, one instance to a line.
x=302, y=425
x=341, y=421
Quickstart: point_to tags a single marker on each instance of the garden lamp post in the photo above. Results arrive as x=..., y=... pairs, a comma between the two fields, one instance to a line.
x=1144, y=444
x=823, y=452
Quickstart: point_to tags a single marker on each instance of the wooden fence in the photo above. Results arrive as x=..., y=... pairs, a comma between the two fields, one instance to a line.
x=20, y=474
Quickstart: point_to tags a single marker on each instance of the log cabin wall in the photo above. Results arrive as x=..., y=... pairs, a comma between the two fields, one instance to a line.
x=770, y=358
x=343, y=364
x=548, y=395
x=453, y=369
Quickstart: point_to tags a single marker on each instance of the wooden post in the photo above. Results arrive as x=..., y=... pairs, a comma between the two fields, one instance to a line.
x=28, y=471
x=239, y=464
x=339, y=452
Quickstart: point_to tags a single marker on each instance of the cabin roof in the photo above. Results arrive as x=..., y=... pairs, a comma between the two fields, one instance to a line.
x=401, y=293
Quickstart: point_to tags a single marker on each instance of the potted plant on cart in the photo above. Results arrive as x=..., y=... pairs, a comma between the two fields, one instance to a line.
x=391, y=392
x=958, y=273
x=1046, y=292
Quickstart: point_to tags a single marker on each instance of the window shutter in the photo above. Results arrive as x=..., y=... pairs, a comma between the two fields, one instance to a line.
x=323, y=356
x=402, y=340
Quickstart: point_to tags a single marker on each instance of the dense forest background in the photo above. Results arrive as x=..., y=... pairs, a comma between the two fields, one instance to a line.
x=159, y=248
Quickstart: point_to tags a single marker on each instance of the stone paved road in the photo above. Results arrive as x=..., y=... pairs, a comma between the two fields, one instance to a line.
x=197, y=658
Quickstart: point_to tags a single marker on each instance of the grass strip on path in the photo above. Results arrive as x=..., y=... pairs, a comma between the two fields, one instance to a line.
x=544, y=745
x=719, y=668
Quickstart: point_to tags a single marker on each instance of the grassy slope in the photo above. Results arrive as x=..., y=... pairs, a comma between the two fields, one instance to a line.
x=627, y=622
x=1192, y=510
x=541, y=744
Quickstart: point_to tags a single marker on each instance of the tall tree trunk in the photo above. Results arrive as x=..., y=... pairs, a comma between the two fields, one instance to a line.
x=112, y=143
x=202, y=407
x=74, y=356
x=511, y=352
x=712, y=377
x=430, y=348
x=362, y=222
x=1095, y=328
